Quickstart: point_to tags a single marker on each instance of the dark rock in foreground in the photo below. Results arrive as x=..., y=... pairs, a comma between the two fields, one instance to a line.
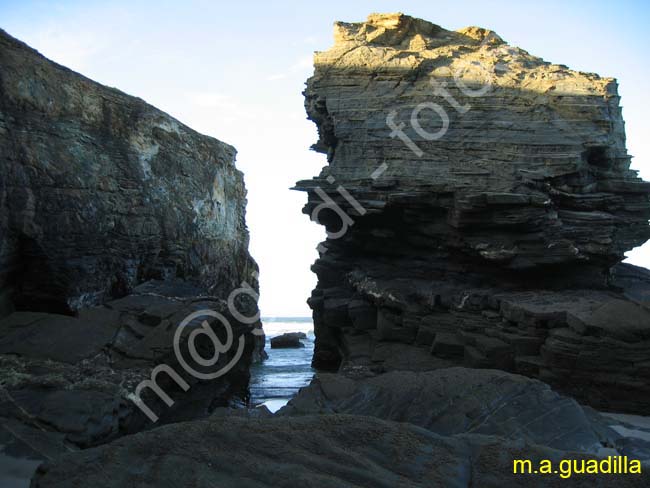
x=460, y=400
x=491, y=243
x=311, y=451
x=76, y=376
x=116, y=223
x=288, y=340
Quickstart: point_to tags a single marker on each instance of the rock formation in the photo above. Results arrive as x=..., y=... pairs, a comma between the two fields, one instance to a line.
x=116, y=223
x=453, y=401
x=288, y=340
x=315, y=451
x=101, y=191
x=477, y=201
x=489, y=247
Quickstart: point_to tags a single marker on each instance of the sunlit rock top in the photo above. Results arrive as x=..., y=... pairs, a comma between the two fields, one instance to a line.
x=525, y=159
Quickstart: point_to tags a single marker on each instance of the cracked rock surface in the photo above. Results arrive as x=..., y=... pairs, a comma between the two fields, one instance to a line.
x=456, y=400
x=116, y=222
x=489, y=239
x=101, y=191
x=314, y=451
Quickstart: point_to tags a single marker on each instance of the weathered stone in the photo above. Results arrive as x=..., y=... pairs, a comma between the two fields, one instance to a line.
x=362, y=314
x=288, y=340
x=453, y=401
x=447, y=345
x=58, y=337
x=318, y=451
x=23, y=449
x=100, y=192
x=69, y=379
x=488, y=193
x=116, y=223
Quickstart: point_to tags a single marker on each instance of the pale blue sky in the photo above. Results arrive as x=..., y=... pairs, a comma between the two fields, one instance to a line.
x=236, y=70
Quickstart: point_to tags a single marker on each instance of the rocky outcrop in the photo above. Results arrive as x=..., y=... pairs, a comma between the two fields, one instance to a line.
x=123, y=256
x=288, y=340
x=101, y=191
x=77, y=376
x=453, y=401
x=476, y=199
x=314, y=451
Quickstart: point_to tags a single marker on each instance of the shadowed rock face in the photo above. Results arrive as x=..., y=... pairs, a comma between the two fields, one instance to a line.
x=486, y=195
x=313, y=451
x=453, y=401
x=101, y=191
x=77, y=376
x=116, y=223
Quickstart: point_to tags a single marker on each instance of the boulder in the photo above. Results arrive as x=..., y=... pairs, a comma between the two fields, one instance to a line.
x=288, y=340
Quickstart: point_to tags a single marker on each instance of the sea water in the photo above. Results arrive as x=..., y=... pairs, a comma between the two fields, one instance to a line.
x=278, y=378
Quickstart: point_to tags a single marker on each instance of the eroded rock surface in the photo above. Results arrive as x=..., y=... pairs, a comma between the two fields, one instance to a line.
x=476, y=199
x=72, y=381
x=116, y=223
x=313, y=451
x=100, y=192
x=288, y=340
x=455, y=401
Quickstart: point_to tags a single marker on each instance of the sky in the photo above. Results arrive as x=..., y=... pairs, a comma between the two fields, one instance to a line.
x=235, y=70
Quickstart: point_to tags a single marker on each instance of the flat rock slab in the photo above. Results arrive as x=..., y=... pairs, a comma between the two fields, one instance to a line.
x=313, y=451
x=23, y=449
x=587, y=312
x=58, y=337
x=75, y=376
x=461, y=400
x=82, y=415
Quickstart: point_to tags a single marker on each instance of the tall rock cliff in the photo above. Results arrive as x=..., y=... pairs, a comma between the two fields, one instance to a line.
x=477, y=199
x=119, y=229
x=101, y=191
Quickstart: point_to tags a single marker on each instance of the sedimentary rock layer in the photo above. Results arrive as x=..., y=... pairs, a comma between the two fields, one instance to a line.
x=77, y=377
x=476, y=199
x=100, y=191
x=315, y=451
x=117, y=222
x=452, y=401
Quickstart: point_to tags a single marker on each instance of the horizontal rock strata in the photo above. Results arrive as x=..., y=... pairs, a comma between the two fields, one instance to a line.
x=476, y=199
x=101, y=191
x=116, y=223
